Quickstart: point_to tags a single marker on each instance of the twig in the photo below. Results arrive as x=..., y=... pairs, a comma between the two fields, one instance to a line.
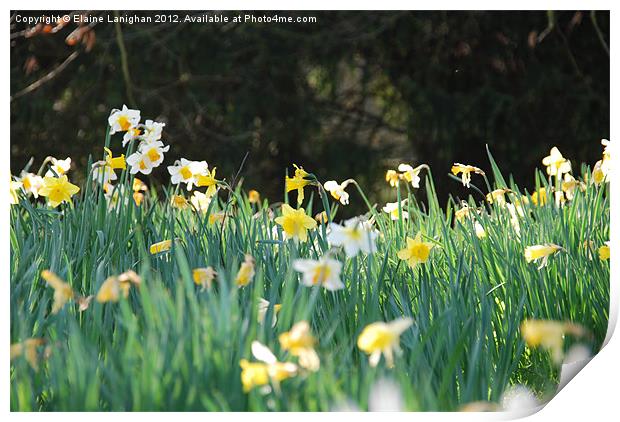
x=37, y=84
x=598, y=31
x=124, y=61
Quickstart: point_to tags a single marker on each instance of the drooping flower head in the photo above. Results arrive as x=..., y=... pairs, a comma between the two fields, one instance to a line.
x=465, y=171
x=556, y=164
x=300, y=342
x=337, y=190
x=549, y=335
x=246, y=271
x=207, y=179
x=257, y=374
x=62, y=290
x=263, y=307
x=382, y=338
x=542, y=252
x=204, y=277
x=31, y=183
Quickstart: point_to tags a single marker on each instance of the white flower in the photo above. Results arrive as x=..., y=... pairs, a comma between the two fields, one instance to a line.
x=392, y=209
x=123, y=120
x=356, y=235
x=263, y=307
x=200, y=201
x=148, y=156
x=410, y=174
x=480, y=232
x=185, y=171
x=60, y=167
x=31, y=183
x=324, y=272
x=519, y=401
x=103, y=174
x=152, y=131
x=338, y=190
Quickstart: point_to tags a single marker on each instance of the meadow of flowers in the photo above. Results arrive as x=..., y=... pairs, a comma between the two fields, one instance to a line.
x=201, y=295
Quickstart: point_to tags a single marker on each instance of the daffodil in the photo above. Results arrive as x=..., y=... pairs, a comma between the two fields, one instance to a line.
x=298, y=182
x=115, y=286
x=152, y=131
x=31, y=183
x=257, y=374
x=200, y=201
x=179, y=202
x=159, y=247
x=382, y=338
x=123, y=120
x=337, y=190
x=147, y=157
x=325, y=272
x=204, y=277
x=410, y=174
x=570, y=185
x=300, y=342
x=542, y=252
x=321, y=217
x=246, y=271
x=392, y=209
x=556, y=164
x=138, y=187
x=57, y=190
x=207, y=179
x=465, y=171
x=462, y=213
x=215, y=217
x=263, y=307
x=58, y=167
x=392, y=177
x=498, y=196
x=549, y=335
x=186, y=171
x=479, y=230
x=295, y=223
x=15, y=187
x=103, y=174
x=29, y=350
x=132, y=134
x=356, y=235
x=253, y=197
x=603, y=252
x=62, y=290
x=416, y=252
x=539, y=198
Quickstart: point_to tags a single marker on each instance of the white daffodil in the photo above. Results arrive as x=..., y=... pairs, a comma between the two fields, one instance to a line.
x=31, y=183
x=410, y=174
x=123, y=120
x=147, y=157
x=185, y=171
x=103, y=174
x=325, y=272
x=356, y=235
x=58, y=167
x=200, y=201
x=337, y=190
x=152, y=131
x=392, y=209
x=263, y=307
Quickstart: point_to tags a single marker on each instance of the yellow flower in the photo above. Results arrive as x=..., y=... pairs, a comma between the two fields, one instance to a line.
x=246, y=271
x=416, y=252
x=58, y=190
x=295, y=223
x=256, y=374
x=208, y=180
x=114, y=286
x=162, y=246
x=138, y=188
x=115, y=162
x=300, y=342
x=465, y=171
x=253, y=196
x=392, y=178
x=536, y=252
x=556, y=163
x=321, y=217
x=540, y=198
x=215, y=217
x=298, y=182
x=382, y=338
x=603, y=252
x=462, y=213
x=62, y=290
x=28, y=348
x=178, y=201
x=549, y=335
x=498, y=196
x=204, y=276
x=15, y=187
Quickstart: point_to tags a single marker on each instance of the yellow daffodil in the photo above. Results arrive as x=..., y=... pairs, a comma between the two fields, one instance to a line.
x=179, y=202
x=115, y=162
x=356, y=235
x=29, y=349
x=207, y=179
x=253, y=196
x=321, y=217
x=123, y=120
x=204, y=276
x=382, y=338
x=556, y=164
x=138, y=188
x=159, y=247
x=58, y=167
x=536, y=252
x=298, y=182
x=324, y=272
x=57, y=190
x=112, y=288
x=31, y=183
x=549, y=335
x=215, y=217
x=392, y=177
x=300, y=342
x=246, y=271
x=257, y=374
x=263, y=307
x=15, y=187
x=465, y=171
x=62, y=290
x=392, y=209
x=603, y=252
x=295, y=223
x=416, y=252
x=539, y=198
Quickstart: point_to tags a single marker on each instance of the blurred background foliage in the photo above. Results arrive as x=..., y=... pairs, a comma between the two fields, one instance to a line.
x=351, y=95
